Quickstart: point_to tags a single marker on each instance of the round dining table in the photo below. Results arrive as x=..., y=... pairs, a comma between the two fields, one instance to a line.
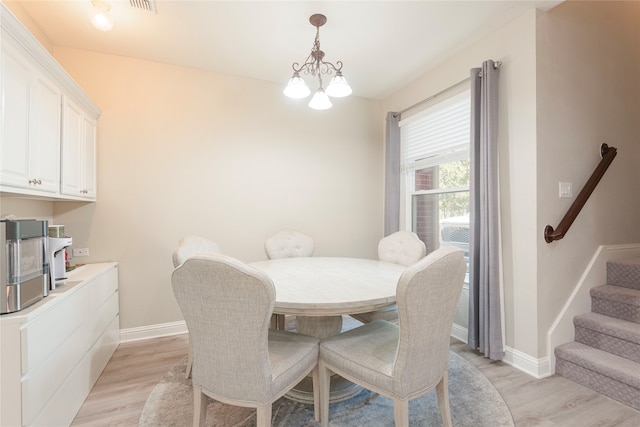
x=319, y=290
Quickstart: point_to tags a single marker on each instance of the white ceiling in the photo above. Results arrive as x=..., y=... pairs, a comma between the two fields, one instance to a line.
x=383, y=44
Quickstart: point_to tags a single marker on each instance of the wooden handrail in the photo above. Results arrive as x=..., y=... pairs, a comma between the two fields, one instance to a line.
x=608, y=154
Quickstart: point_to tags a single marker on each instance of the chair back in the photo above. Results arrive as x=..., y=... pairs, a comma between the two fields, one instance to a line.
x=191, y=245
x=427, y=296
x=401, y=247
x=288, y=244
x=227, y=306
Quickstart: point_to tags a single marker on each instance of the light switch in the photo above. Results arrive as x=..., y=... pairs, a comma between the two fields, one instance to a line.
x=566, y=190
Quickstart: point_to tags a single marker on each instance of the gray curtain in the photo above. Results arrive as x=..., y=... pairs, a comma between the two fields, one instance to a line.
x=392, y=174
x=485, y=301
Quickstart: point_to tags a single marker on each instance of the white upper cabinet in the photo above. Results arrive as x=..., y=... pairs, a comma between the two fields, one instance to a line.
x=30, y=149
x=47, y=123
x=78, y=152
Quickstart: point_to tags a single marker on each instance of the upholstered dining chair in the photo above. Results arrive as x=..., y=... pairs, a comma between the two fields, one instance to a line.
x=401, y=247
x=408, y=360
x=287, y=244
x=237, y=358
x=189, y=246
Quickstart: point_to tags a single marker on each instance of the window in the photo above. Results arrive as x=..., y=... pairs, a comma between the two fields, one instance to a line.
x=436, y=172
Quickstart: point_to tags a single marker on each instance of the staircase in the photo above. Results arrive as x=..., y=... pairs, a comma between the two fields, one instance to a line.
x=605, y=355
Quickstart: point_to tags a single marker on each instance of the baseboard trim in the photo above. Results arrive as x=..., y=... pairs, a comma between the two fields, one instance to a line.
x=537, y=368
x=153, y=331
x=176, y=328
x=460, y=333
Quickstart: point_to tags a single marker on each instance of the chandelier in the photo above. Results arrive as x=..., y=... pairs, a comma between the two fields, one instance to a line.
x=315, y=66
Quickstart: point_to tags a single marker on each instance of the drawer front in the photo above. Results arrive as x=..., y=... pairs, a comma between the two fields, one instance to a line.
x=103, y=287
x=65, y=403
x=42, y=383
x=45, y=334
x=104, y=316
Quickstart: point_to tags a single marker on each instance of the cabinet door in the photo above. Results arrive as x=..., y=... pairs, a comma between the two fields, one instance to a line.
x=44, y=135
x=30, y=145
x=78, y=152
x=89, y=157
x=15, y=86
x=71, y=149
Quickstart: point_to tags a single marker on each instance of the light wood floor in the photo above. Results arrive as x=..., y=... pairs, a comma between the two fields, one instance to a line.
x=119, y=395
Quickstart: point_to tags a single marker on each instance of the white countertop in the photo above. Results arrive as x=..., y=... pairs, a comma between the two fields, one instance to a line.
x=75, y=278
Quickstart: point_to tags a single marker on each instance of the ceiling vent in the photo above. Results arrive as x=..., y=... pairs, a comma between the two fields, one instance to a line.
x=148, y=5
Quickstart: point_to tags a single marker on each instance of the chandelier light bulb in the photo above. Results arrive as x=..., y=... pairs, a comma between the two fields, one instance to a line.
x=338, y=87
x=316, y=66
x=296, y=88
x=100, y=16
x=320, y=101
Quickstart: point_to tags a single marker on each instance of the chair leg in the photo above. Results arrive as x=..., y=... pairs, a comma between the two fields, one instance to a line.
x=324, y=380
x=401, y=412
x=263, y=415
x=200, y=401
x=442, y=392
x=187, y=371
x=281, y=322
x=315, y=374
x=274, y=321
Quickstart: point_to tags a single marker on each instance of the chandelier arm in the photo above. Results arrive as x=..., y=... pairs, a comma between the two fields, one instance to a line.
x=316, y=66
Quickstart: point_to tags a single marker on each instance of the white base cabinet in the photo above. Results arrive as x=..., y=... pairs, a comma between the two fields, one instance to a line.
x=52, y=353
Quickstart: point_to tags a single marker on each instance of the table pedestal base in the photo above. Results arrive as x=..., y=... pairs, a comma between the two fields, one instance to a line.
x=340, y=389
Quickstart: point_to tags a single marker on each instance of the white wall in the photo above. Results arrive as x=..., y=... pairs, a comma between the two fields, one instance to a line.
x=514, y=46
x=588, y=94
x=183, y=151
x=570, y=80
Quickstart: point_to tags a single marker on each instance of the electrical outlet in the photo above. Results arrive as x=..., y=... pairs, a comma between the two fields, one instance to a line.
x=81, y=252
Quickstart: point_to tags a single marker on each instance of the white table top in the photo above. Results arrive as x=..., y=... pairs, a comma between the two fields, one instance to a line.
x=324, y=286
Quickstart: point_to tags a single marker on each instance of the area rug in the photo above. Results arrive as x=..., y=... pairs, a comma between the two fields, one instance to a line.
x=473, y=399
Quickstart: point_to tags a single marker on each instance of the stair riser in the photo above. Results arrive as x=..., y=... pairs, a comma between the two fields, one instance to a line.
x=601, y=383
x=626, y=275
x=616, y=309
x=608, y=343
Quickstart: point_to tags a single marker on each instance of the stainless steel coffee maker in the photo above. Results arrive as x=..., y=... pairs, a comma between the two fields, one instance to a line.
x=24, y=269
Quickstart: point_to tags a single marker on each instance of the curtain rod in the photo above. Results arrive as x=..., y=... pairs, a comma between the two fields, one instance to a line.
x=496, y=65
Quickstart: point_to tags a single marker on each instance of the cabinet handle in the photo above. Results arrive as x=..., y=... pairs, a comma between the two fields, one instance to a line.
x=35, y=181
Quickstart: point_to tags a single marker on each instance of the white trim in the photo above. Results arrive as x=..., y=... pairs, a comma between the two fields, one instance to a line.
x=460, y=333
x=538, y=368
x=153, y=331
x=176, y=328
x=562, y=330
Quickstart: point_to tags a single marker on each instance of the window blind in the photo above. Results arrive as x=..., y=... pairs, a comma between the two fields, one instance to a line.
x=439, y=132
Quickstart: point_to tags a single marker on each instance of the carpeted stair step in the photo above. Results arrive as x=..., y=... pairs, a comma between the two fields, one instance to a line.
x=616, y=301
x=606, y=373
x=625, y=273
x=609, y=334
